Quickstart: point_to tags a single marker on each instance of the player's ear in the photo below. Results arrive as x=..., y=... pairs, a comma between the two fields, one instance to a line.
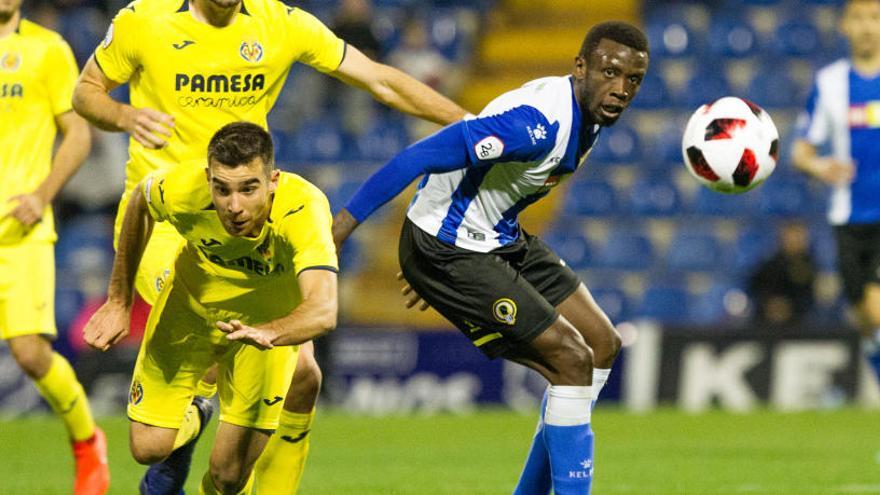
x=273, y=180
x=208, y=173
x=580, y=67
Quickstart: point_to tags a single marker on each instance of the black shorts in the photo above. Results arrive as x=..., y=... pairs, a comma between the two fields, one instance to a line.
x=500, y=300
x=858, y=257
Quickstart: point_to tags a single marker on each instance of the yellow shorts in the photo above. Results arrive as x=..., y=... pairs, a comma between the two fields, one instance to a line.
x=27, y=289
x=158, y=259
x=180, y=344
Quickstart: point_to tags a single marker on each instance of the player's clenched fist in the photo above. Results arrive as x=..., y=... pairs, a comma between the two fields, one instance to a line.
x=147, y=126
x=108, y=326
x=28, y=210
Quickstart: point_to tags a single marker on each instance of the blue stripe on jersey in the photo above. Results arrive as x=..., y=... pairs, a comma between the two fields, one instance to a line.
x=461, y=199
x=520, y=134
x=508, y=226
x=803, y=128
x=864, y=98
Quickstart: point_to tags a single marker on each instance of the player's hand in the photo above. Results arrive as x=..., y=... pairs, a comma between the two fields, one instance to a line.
x=835, y=172
x=343, y=225
x=29, y=209
x=147, y=126
x=108, y=326
x=257, y=337
x=412, y=298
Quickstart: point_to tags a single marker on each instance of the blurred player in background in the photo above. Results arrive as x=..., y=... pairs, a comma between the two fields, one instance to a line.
x=194, y=65
x=258, y=251
x=463, y=250
x=37, y=75
x=843, y=111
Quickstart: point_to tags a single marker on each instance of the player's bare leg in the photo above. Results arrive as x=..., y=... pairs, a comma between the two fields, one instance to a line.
x=280, y=468
x=235, y=451
x=57, y=383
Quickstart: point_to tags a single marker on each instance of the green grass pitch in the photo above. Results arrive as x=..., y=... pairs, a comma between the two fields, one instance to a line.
x=666, y=452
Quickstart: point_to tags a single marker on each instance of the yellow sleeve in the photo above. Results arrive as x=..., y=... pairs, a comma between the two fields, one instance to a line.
x=154, y=192
x=61, y=76
x=312, y=42
x=118, y=54
x=309, y=232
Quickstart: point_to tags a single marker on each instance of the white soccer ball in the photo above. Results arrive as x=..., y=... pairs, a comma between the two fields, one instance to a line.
x=730, y=145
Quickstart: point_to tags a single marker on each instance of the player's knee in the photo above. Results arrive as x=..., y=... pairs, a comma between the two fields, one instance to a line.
x=229, y=477
x=306, y=383
x=576, y=359
x=147, y=453
x=33, y=355
x=614, y=345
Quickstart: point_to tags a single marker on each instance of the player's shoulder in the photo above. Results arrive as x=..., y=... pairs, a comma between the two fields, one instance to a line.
x=35, y=32
x=294, y=194
x=149, y=10
x=835, y=73
x=184, y=186
x=273, y=10
x=548, y=96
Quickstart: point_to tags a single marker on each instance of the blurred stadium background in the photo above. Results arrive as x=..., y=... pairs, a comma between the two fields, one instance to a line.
x=671, y=263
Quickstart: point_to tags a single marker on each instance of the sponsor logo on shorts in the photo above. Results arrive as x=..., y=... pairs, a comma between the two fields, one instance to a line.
x=272, y=402
x=161, y=279
x=504, y=311
x=136, y=393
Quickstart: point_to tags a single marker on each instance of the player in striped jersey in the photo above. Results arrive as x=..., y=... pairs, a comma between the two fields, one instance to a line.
x=463, y=251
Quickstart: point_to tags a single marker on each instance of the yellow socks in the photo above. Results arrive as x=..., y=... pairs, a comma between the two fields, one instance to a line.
x=189, y=428
x=279, y=469
x=207, y=487
x=67, y=398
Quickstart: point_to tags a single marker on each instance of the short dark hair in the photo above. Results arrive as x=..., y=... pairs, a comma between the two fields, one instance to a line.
x=239, y=143
x=619, y=31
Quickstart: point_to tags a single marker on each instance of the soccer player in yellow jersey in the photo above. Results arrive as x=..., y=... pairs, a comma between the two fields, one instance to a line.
x=255, y=276
x=37, y=75
x=195, y=64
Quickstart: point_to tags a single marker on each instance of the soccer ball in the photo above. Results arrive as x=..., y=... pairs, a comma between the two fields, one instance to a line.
x=730, y=145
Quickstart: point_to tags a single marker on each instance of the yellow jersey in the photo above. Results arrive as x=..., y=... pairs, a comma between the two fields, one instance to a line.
x=37, y=76
x=205, y=76
x=252, y=276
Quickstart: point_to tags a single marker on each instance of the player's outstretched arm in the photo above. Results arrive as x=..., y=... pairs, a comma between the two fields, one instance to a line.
x=92, y=100
x=396, y=89
x=313, y=317
x=74, y=148
x=827, y=169
x=110, y=324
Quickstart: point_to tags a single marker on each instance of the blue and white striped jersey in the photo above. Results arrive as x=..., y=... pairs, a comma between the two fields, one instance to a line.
x=843, y=110
x=525, y=142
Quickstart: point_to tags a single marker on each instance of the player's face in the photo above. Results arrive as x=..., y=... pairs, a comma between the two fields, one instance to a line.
x=242, y=195
x=8, y=8
x=861, y=25
x=609, y=80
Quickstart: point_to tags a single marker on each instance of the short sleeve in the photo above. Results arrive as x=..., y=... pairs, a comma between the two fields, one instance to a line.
x=520, y=134
x=308, y=229
x=61, y=76
x=813, y=124
x=117, y=55
x=313, y=43
x=154, y=193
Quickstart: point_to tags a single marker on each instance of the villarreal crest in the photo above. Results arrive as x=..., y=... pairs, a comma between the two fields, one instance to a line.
x=251, y=51
x=10, y=61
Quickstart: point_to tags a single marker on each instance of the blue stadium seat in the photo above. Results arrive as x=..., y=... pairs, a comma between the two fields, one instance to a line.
x=666, y=304
x=341, y=194
x=824, y=248
x=626, y=250
x=668, y=36
x=83, y=28
x=446, y=34
x=653, y=93
x=68, y=302
x=572, y=247
x=703, y=87
x=618, y=144
x=752, y=246
x=654, y=195
x=775, y=89
x=322, y=140
x=710, y=203
x=787, y=198
x=721, y=302
x=732, y=37
x=383, y=140
x=797, y=38
x=91, y=234
x=613, y=302
x=695, y=251
x=590, y=198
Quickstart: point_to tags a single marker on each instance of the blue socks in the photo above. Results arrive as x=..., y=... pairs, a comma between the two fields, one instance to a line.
x=871, y=349
x=535, y=477
x=569, y=439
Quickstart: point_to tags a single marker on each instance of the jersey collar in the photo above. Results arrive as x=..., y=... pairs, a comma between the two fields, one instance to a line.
x=184, y=7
